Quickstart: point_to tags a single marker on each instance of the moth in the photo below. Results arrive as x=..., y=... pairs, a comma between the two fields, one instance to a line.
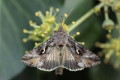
x=58, y=52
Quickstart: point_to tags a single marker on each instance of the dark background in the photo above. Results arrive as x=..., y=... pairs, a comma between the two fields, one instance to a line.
x=14, y=17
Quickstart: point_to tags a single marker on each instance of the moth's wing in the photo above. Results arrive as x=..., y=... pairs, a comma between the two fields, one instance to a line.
x=31, y=58
x=44, y=57
x=89, y=59
x=51, y=59
x=69, y=61
x=75, y=57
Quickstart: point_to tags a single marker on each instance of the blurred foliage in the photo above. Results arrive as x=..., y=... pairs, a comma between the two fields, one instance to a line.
x=14, y=17
x=111, y=50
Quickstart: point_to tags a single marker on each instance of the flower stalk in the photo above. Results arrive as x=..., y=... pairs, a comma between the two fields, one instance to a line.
x=87, y=15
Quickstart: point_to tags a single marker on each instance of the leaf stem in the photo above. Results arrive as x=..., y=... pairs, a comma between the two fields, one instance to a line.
x=84, y=17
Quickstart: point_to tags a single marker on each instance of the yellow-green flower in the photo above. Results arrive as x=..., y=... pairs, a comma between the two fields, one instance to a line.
x=42, y=32
x=111, y=51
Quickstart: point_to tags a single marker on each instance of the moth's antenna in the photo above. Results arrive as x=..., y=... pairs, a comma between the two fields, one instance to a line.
x=66, y=15
x=62, y=22
x=64, y=19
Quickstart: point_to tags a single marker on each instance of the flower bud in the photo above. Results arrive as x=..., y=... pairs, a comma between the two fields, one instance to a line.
x=77, y=33
x=57, y=10
x=82, y=43
x=108, y=36
x=108, y=25
x=25, y=30
x=24, y=40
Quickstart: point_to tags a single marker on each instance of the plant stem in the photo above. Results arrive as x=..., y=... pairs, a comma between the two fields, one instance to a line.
x=118, y=19
x=84, y=17
x=106, y=12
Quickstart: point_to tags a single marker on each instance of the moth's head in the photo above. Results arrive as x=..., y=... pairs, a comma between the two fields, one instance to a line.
x=61, y=31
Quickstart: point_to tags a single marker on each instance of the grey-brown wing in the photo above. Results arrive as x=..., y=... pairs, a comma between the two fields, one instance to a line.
x=75, y=57
x=31, y=58
x=69, y=60
x=51, y=60
x=44, y=57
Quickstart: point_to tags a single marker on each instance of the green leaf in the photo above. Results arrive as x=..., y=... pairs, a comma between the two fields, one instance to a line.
x=11, y=48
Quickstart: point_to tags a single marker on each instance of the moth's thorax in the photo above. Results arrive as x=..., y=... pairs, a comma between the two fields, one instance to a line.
x=60, y=38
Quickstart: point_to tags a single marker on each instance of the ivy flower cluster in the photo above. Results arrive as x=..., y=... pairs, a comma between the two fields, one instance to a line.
x=42, y=32
x=111, y=51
